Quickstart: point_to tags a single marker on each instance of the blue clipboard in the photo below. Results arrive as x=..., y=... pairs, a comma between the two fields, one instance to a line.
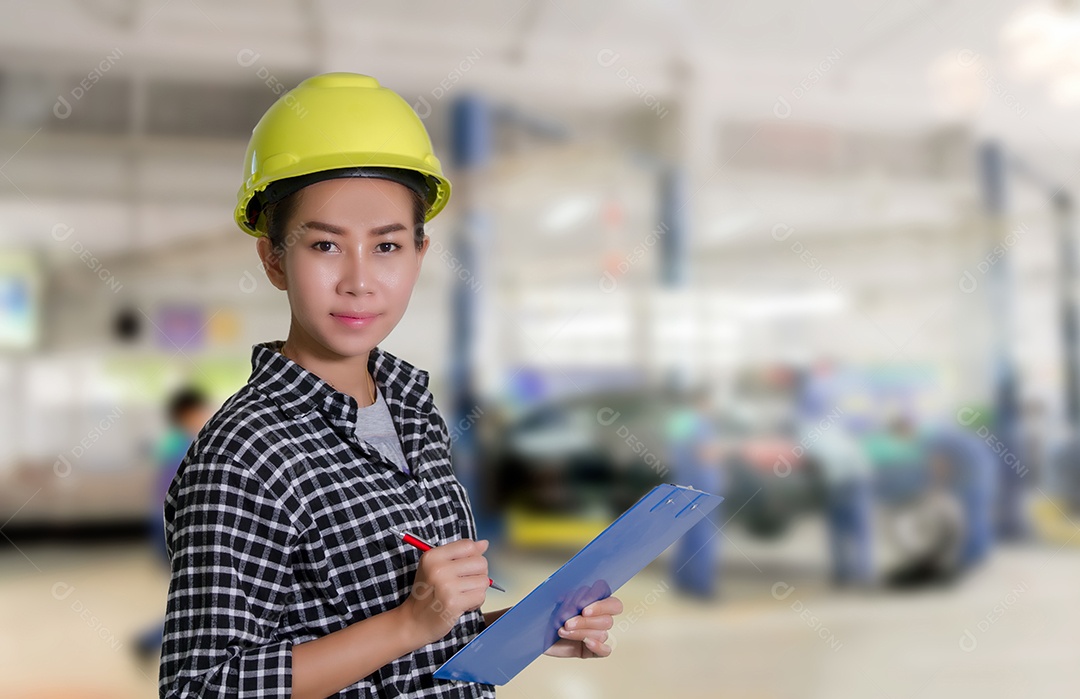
x=618, y=553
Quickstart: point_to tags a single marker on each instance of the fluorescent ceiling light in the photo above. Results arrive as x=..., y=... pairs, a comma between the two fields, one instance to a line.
x=793, y=304
x=568, y=213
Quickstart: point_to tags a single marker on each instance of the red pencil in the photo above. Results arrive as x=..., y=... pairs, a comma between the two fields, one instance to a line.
x=425, y=546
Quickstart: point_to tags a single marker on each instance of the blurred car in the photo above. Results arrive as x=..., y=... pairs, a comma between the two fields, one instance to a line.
x=588, y=459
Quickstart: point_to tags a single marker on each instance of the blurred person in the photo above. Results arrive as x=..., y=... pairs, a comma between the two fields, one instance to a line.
x=187, y=410
x=1035, y=437
x=1012, y=518
x=286, y=578
x=973, y=469
x=1067, y=473
x=847, y=477
x=899, y=459
x=930, y=532
x=695, y=455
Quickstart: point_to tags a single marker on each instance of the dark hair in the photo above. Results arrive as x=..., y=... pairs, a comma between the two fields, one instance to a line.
x=279, y=213
x=183, y=401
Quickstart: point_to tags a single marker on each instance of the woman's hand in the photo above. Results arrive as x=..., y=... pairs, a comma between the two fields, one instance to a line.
x=450, y=580
x=583, y=636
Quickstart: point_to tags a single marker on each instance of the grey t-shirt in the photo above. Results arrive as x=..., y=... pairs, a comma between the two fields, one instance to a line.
x=375, y=426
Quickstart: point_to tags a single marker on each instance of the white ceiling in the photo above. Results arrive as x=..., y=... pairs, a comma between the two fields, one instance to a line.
x=538, y=50
x=723, y=61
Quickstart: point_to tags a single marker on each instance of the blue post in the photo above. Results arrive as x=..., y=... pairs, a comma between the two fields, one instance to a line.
x=674, y=228
x=470, y=150
x=1070, y=329
x=1010, y=519
x=694, y=565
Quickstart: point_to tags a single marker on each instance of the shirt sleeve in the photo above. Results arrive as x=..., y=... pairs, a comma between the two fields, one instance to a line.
x=231, y=580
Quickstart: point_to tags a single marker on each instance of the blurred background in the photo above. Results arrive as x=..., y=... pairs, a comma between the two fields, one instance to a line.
x=818, y=258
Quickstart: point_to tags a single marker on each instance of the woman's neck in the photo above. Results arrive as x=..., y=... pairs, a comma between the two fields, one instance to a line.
x=349, y=375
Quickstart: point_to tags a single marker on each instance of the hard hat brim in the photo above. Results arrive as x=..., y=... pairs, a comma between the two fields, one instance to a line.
x=280, y=189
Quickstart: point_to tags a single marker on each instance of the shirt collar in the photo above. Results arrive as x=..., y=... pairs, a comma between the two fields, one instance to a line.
x=299, y=391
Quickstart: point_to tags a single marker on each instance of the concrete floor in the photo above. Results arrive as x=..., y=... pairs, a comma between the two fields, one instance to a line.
x=67, y=617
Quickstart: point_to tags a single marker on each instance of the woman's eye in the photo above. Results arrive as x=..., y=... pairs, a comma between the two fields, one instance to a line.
x=321, y=242
x=381, y=247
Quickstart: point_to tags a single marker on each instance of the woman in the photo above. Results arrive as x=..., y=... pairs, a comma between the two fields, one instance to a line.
x=286, y=578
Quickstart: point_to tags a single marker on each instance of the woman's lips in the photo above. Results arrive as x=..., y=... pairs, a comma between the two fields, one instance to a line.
x=355, y=321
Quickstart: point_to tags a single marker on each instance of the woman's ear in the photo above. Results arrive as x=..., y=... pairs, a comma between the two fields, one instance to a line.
x=422, y=251
x=272, y=263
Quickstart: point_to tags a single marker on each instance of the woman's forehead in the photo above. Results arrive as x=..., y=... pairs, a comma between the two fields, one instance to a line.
x=354, y=204
x=349, y=193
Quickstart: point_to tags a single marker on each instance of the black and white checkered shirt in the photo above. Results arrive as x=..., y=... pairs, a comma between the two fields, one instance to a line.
x=277, y=524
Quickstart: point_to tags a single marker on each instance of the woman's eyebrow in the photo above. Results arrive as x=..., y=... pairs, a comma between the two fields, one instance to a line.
x=325, y=227
x=338, y=230
x=390, y=228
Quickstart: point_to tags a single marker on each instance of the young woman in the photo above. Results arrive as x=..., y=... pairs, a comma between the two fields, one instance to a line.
x=286, y=579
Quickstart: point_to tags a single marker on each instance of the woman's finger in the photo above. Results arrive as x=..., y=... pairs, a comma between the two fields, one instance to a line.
x=564, y=649
x=598, y=649
x=590, y=622
x=608, y=605
x=582, y=634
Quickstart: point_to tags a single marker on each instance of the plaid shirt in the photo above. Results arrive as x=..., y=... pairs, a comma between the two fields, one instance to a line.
x=277, y=525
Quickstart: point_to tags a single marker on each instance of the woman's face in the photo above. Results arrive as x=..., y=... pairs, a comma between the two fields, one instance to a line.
x=350, y=263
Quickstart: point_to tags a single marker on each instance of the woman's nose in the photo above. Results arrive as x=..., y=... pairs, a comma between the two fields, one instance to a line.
x=355, y=276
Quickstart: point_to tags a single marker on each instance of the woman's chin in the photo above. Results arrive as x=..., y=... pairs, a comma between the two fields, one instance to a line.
x=350, y=346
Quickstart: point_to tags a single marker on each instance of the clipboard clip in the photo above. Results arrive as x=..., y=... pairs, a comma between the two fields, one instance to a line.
x=670, y=500
x=690, y=507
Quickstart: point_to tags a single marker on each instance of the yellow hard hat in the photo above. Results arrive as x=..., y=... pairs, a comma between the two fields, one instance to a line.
x=336, y=125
